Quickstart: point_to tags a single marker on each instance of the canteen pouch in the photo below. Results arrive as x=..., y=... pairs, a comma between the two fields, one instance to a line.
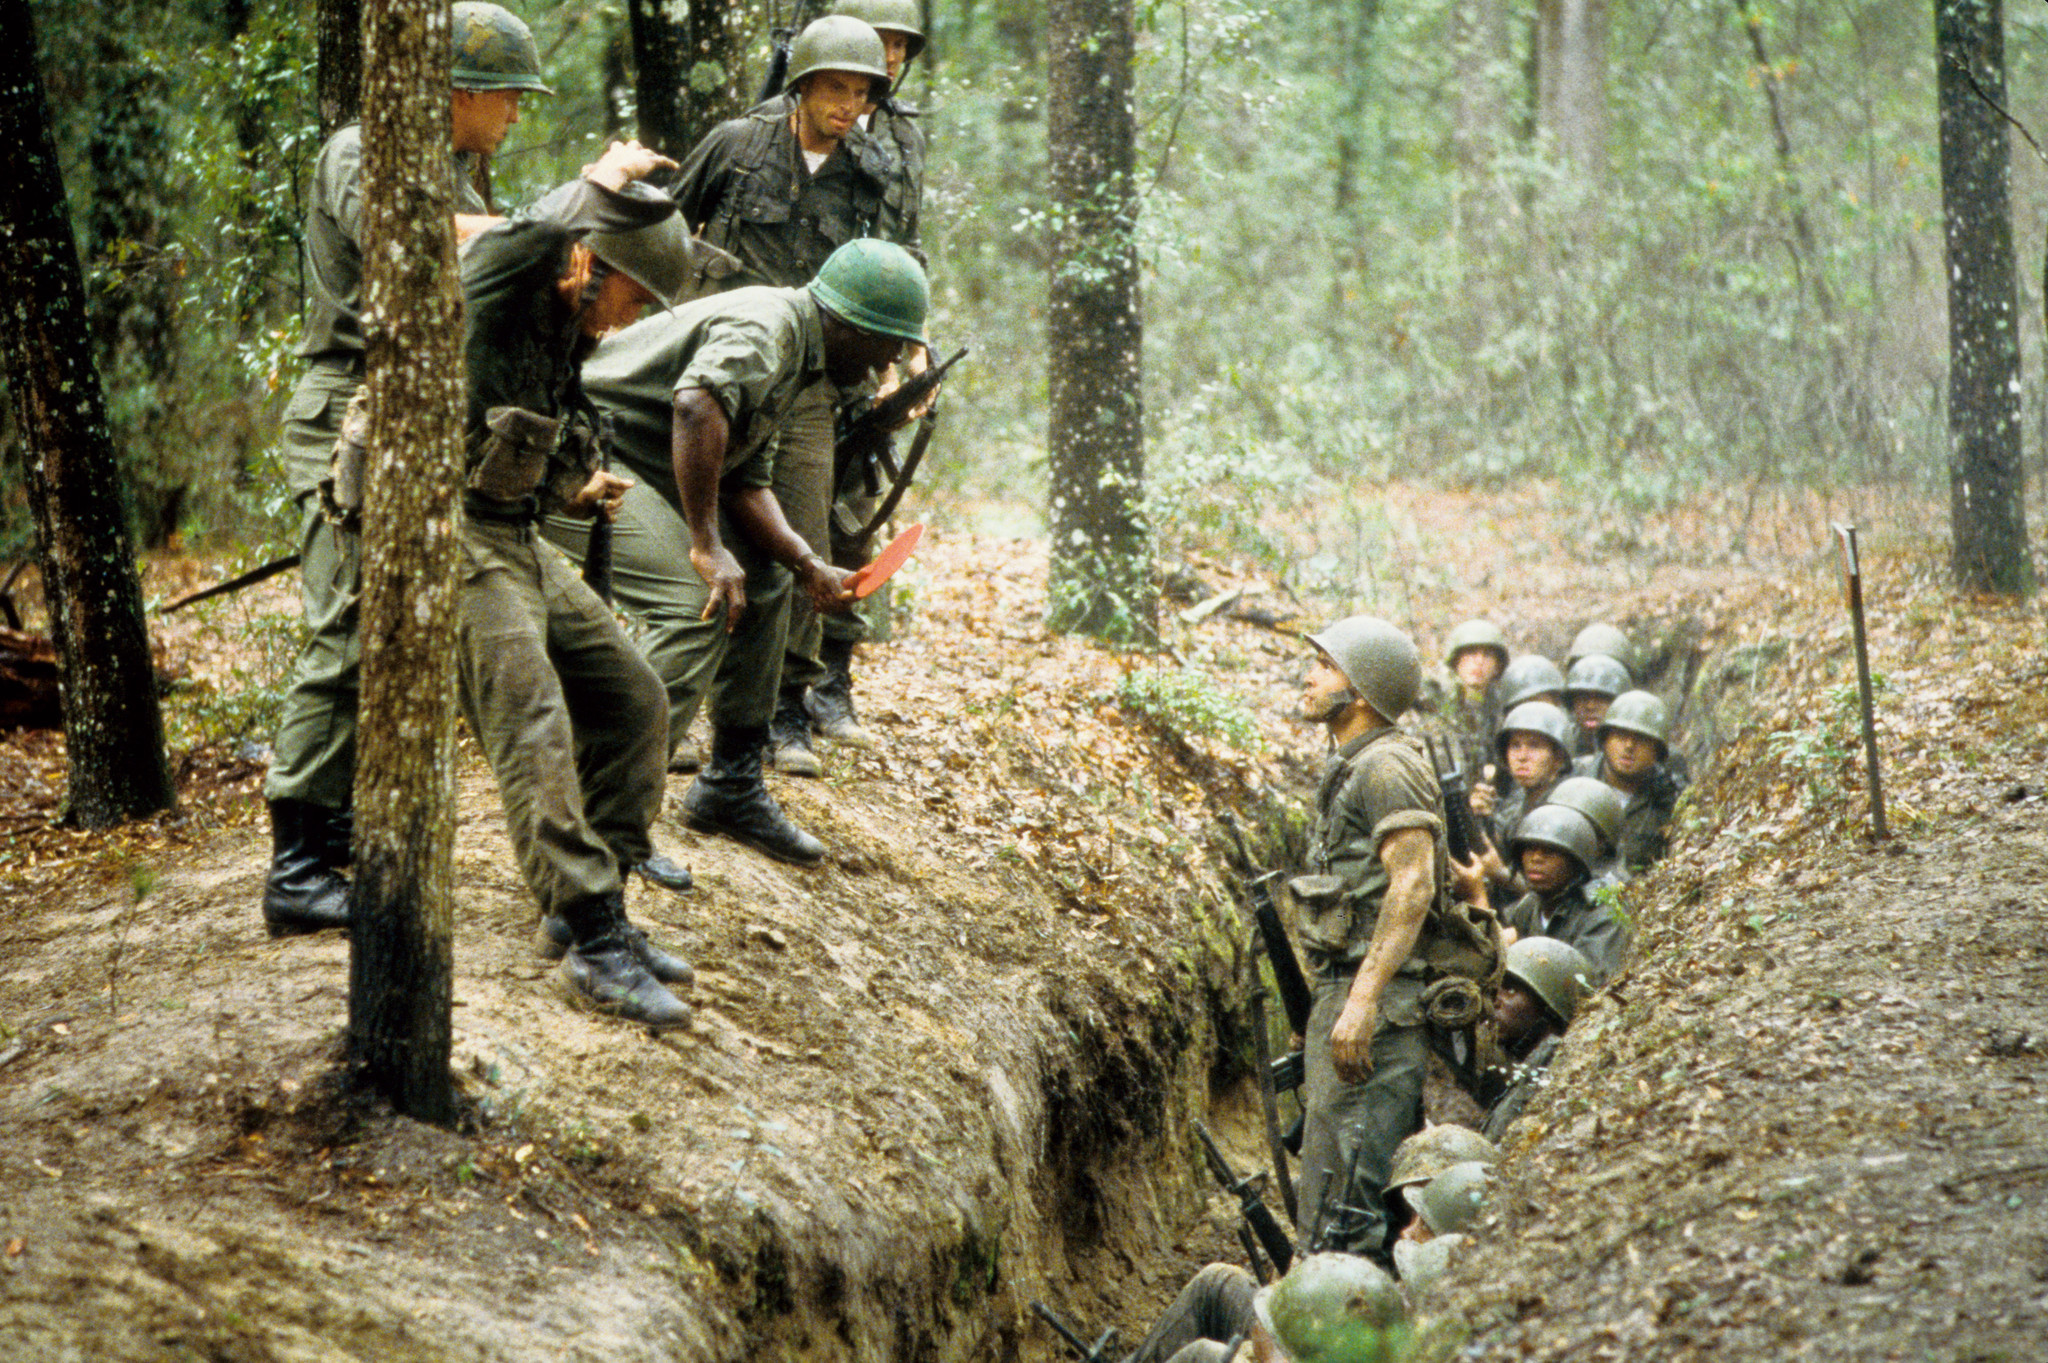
x=515, y=455
x=341, y=491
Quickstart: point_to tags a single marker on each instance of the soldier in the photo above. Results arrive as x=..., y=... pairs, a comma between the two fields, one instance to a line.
x=1607, y=641
x=1530, y=677
x=893, y=124
x=566, y=711
x=1534, y=747
x=782, y=188
x=312, y=765
x=1539, y=996
x=1590, y=686
x=1633, y=758
x=1369, y=913
x=1428, y=1153
x=1331, y=1308
x=1444, y=1208
x=1475, y=655
x=1555, y=849
x=703, y=556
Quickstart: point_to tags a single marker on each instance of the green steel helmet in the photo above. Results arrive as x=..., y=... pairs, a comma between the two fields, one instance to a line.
x=1639, y=712
x=1596, y=674
x=1379, y=661
x=494, y=50
x=1453, y=1200
x=896, y=16
x=1476, y=634
x=1557, y=973
x=1604, y=639
x=875, y=285
x=837, y=42
x=661, y=258
x=1335, y=1308
x=1599, y=802
x=1434, y=1149
x=1538, y=717
x=1561, y=830
x=1528, y=677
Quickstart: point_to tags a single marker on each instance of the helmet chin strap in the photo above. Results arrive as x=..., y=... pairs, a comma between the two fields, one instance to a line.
x=1338, y=703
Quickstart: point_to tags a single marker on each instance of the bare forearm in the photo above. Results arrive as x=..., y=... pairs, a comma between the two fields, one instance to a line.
x=1411, y=884
x=758, y=516
x=697, y=446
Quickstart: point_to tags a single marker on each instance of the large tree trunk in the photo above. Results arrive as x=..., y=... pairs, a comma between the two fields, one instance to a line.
x=1571, y=81
x=400, y=961
x=1102, y=546
x=657, y=81
x=1987, y=482
x=340, y=27
x=113, y=730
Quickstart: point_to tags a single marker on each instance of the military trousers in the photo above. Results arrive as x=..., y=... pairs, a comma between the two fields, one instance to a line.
x=803, y=487
x=849, y=514
x=566, y=711
x=1350, y=1130
x=653, y=581
x=314, y=755
x=1214, y=1308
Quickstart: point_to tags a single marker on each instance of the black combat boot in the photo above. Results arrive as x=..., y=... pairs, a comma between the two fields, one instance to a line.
x=336, y=831
x=555, y=939
x=789, y=735
x=729, y=797
x=303, y=893
x=830, y=702
x=665, y=872
x=601, y=971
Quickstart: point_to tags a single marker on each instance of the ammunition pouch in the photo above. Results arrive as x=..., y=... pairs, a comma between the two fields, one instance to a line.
x=515, y=455
x=341, y=491
x=1323, y=910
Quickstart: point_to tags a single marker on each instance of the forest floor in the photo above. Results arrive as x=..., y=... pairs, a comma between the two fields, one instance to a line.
x=950, y=1071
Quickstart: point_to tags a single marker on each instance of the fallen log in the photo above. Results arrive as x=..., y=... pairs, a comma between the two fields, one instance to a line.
x=29, y=698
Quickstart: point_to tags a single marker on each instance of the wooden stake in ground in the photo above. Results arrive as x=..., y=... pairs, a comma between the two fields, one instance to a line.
x=1852, y=570
x=113, y=729
x=400, y=965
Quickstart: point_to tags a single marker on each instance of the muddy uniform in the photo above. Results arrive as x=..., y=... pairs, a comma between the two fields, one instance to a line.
x=760, y=353
x=747, y=189
x=1214, y=1308
x=569, y=715
x=314, y=757
x=1642, y=840
x=1376, y=785
x=1575, y=917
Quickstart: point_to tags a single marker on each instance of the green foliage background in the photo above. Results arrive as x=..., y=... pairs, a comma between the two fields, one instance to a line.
x=1334, y=296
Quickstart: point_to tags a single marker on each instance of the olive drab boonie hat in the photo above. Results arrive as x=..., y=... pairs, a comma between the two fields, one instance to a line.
x=876, y=286
x=494, y=50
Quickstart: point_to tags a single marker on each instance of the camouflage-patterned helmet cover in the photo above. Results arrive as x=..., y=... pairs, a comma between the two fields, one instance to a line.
x=494, y=50
x=1639, y=712
x=1601, y=803
x=1561, y=830
x=1453, y=1200
x=1605, y=639
x=1335, y=1308
x=1528, y=677
x=1536, y=717
x=1557, y=973
x=1379, y=661
x=1596, y=674
x=894, y=16
x=1476, y=634
x=837, y=42
x=1434, y=1149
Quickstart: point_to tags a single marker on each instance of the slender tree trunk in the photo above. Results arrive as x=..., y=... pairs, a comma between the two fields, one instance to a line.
x=114, y=733
x=340, y=27
x=1482, y=48
x=1571, y=80
x=1102, y=544
x=1987, y=481
x=400, y=960
x=657, y=80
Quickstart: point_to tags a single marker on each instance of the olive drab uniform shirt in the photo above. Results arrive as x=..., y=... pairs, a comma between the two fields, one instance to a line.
x=1375, y=785
x=333, y=336
x=1510, y=1090
x=894, y=126
x=1577, y=917
x=747, y=189
x=755, y=350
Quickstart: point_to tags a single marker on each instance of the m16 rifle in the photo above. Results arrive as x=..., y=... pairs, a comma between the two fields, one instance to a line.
x=1258, y=1217
x=865, y=452
x=1098, y=1352
x=1461, y=830
x=597, y=552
